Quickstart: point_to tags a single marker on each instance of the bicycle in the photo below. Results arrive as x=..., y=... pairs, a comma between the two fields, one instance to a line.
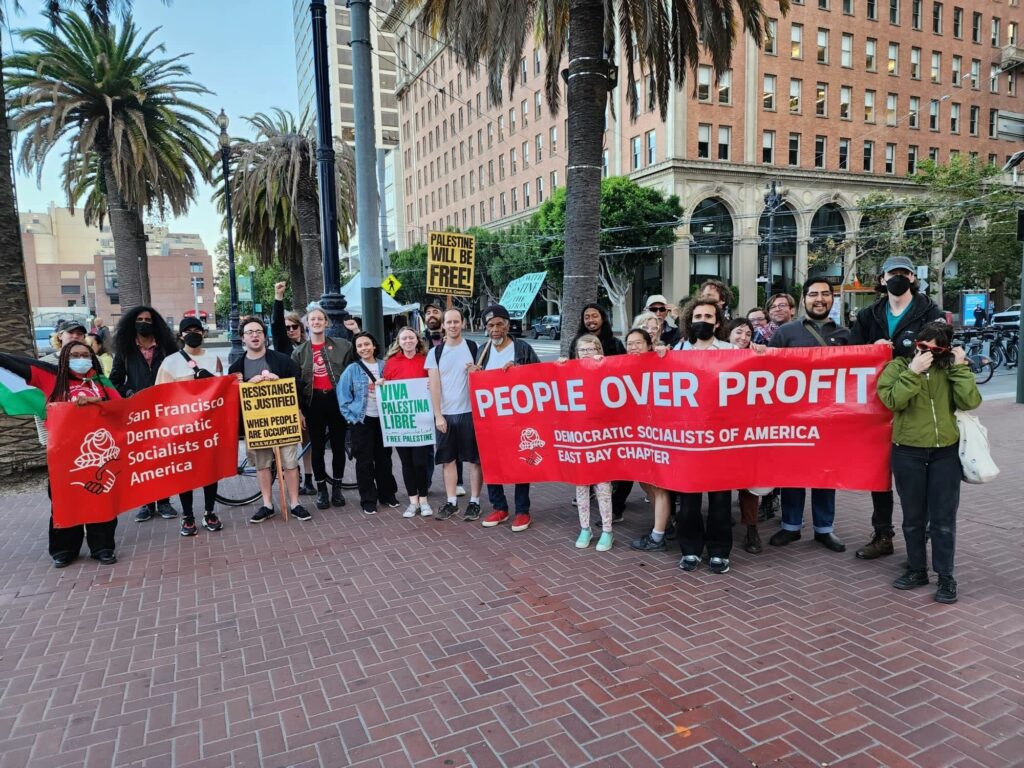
x=242, y=488
x=981, y=365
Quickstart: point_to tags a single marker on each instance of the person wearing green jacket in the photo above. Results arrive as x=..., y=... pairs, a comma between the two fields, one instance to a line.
x=923, y=392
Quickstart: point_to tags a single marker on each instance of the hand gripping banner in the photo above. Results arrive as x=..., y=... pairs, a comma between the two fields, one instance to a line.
x=690, y=421
x=120, y=454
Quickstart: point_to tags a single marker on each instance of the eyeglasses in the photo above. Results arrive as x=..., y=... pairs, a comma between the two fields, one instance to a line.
x=661, y=308
x=256, y=332
x=780, y=305
x=291, y=327
x=920, y=345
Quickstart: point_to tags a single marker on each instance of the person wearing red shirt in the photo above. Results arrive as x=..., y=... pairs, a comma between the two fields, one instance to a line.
x=405, y=360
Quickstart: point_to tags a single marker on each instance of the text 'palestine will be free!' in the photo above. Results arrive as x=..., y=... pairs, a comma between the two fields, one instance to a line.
x=450, y=260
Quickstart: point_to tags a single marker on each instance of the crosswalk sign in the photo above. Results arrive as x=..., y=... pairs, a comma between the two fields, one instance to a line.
x=391, y=284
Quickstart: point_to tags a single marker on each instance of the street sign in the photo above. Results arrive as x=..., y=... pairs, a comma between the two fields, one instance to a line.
x=450, y=261
x=257, y=307
x=391, y=284
x=520, y=293
x=244, y=292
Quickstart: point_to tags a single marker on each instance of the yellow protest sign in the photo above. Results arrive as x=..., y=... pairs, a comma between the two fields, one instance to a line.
x=391, y=285
x=450, y=260
x=270, y=413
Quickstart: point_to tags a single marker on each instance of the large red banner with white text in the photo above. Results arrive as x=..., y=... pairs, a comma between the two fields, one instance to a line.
x=690, y=421
x=120, y=454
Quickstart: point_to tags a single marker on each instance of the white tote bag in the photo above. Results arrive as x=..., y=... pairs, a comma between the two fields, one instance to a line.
x=975, y=455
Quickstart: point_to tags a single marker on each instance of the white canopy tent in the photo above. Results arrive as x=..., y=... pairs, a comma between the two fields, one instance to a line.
x=353, y=293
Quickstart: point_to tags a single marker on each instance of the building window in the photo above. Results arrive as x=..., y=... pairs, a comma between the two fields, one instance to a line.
x=771, y=34
x=844, y=154
x=933, y=154
x=724, y=141
x=869, y=106
x=937, y=18
x=503, y=205
x=1011, y=84
x=195, y=266
x=768, y=147
x=822, y=46
x=869, y=156
x=993, y=123
x=891, y=108
x=515, y=199
x=915, y=14
x=823, y=5
x=890, y=159
x=725, y=87
x=975, y=117
x=936, y=67
x=652, y=147
x=870, y=54
x=769, y=93
x=976, y=28
x=911, y=159
x=526, y=195
x=915, y=63
x=845, y=98
x=703, y=83
x=993, y=79
x=199, y=283
x=995, y=32
x=821, y=99
x=914, y=119
x=537, y=108
x=704, y=141
x=540, y=190
x=958, y=23
x=795, y=88
x=872, y=8
x=848, y=7
x=846, y=51
x=554, y=179
x=954, y=118
x=820, y=146
x=553, y=137
x=894, y=11
x=71, y=290
x=539, y=147
x=975, y=74
x=958, y=65
x=893, y=63
x=634, y=151
x=794, y=149
x=933, y=115
x=796, y=41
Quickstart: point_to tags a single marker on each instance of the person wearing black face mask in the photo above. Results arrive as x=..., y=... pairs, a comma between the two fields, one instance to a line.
x=701, y=322
x=894, y=320
x=141, y=342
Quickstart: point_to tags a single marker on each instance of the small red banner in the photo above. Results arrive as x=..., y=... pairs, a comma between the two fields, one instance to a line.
x=690, y=421
x=117, y=455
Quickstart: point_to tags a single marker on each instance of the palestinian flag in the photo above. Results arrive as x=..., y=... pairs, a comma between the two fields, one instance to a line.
x=19, y=398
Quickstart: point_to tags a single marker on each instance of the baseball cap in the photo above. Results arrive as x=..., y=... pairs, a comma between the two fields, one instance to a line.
x=656, y=299
x=435, y=303
x=495, y=310
x=189, y=322
x=70, y=325
x=898, y=262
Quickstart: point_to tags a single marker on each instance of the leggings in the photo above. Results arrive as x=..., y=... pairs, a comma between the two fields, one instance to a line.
x=603, y=491
x=416, y=470
x=209, y=499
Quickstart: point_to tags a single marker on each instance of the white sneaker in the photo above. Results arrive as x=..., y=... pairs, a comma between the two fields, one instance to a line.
x=410, y=511
x=460, y=491
x=425, y=510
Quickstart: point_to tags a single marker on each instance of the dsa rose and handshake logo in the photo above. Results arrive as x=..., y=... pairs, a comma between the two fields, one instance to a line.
x=97, y=452
x=529, y=442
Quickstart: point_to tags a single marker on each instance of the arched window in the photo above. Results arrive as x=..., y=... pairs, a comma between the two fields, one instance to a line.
x=824, y=255
x=780, y=237
x=711, y=249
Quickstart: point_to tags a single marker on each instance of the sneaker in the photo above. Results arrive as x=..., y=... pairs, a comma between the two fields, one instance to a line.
x=393, y=503
x=583, y=540
x=719, y=564
x=472, y=513
x=605, y=542
x=165, y=510
x=411, y=511
x=299, y=512
x=426, y=510
x=211, y=522
x=188, y=527
x=647, y=544
x=145, y=513
x=263, y=513
x=521, y=522
x=497, y=517
x=447, y=511
x=460, y=490
x=946, y=593
x=911, y=579
x=879, y=546
x=689, y=562
x=368, y=510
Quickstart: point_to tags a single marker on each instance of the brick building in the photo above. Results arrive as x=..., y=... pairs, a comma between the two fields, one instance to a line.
x=844, y=98
x=69, y=264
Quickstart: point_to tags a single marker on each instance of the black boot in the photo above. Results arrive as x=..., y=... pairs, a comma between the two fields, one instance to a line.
x=307, y=489
x=323, y=499
x=337, y=498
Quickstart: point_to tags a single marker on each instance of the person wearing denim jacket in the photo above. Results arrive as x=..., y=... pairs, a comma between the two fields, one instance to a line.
x=357, y=399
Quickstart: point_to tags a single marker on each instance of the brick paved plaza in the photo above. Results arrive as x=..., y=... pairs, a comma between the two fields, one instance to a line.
x=380, y=641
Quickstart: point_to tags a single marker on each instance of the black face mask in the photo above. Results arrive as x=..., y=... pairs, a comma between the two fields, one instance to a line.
x=144, y=328
x=897, y=285
x=193, y=339
x=702, y=330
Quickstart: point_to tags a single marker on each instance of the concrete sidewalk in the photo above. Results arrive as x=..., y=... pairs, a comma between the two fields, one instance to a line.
x=355, y=640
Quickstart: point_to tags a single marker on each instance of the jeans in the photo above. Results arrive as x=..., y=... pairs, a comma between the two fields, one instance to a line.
x=324, y=420
x=928, y=482
x=373, y=464
x=881, y=511
x=691, y=531
x=823, y=509
x=496, y=493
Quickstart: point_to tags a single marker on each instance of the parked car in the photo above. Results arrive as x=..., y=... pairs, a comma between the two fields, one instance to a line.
x=44, y=333
x=515, y=327
x=1008, y=318
x=549, y=325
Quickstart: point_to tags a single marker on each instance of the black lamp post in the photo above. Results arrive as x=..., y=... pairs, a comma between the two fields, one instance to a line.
x=225, y=158
x=773, y=201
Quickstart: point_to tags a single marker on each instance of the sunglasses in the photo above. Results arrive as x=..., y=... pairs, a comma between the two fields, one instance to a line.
x=291, y=327
x=920, y=345
x=658, y=309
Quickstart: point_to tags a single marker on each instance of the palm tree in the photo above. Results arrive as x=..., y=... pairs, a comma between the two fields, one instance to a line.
x=661, y=38
x=274, y=193
x=125, y=117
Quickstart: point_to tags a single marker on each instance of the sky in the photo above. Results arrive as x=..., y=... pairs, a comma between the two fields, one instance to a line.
x=242, y=51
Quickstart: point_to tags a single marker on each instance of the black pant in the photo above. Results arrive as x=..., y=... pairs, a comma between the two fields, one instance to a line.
x=694, y=535
x=620, y=492
x=881, y=512
x=69, y=540
x=323, y=419
x=209, y=499
x=416, y=470
x=928, y=482
x=373, y=463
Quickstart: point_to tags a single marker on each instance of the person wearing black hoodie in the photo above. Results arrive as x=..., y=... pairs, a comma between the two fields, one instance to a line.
x=894, y=320
x=594, y=320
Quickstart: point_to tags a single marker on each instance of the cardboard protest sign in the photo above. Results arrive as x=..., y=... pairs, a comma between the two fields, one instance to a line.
x=406, y=413
x=450, y=261
x=270, y=413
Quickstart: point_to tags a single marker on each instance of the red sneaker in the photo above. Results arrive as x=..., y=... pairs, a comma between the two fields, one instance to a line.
x=497, y=517
x=520, y=522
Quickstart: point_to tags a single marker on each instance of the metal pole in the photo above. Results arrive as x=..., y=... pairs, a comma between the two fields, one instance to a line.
x=367, y=195
x=1020, y=335
x=195, y=298
x=332, y=301
x=225, y=157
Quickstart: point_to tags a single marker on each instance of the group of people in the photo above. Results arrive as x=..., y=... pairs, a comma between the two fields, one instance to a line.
x=337, y=382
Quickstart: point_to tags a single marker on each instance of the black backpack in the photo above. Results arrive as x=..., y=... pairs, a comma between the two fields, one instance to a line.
x=440, y=348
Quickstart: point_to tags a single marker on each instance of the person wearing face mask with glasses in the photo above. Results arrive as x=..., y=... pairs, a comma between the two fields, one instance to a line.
x=893, y=320
x=141, y=342
x=923, y=392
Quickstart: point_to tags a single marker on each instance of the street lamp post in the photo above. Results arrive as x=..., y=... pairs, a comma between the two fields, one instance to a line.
x=773, y=199
x=225, y=158
x=252, y=287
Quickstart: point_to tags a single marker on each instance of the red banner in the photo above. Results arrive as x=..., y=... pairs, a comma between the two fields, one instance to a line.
x=690, y=421
x=117, y=455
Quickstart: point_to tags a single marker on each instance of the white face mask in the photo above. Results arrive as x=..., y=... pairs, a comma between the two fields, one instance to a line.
x=80, y=365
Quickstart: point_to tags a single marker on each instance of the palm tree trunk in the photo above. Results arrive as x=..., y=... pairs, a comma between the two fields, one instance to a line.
x=129, y=241
x=586, y=99
x=297, y=280
x=19, y=447
x=307, y=211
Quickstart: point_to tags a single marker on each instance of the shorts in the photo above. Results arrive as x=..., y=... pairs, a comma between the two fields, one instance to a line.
x=459, y=442
x=262, y=458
